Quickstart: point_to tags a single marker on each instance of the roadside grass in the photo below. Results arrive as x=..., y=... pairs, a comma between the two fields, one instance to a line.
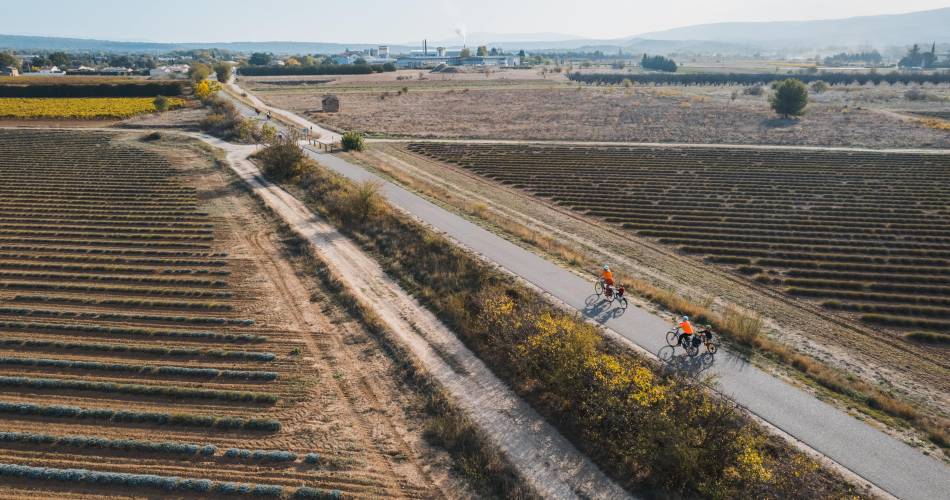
x=741, y=327
x=654, y=431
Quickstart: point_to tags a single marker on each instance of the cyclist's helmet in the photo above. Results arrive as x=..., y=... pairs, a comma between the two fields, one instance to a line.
x=606, y=267
x=685, y=318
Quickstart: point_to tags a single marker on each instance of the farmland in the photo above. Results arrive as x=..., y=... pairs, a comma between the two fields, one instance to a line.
x=855, y=232
x=80, y=108
x=143, y=348
x=519, y=105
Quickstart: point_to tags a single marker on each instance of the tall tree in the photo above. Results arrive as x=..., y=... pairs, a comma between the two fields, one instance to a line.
x=790, y=98
x=482, y=51
x=260, y=59
x=7, y=59
x=59, y=58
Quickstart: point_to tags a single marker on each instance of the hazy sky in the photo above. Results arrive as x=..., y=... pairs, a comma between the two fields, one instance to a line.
x=400, y=21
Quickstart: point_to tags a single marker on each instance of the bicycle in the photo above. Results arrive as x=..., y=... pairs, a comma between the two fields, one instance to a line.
x=691, y=346
x=707, y=338
x=612, y=294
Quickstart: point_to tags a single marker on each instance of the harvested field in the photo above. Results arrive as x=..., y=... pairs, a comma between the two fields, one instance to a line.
x=854, y=231
x=551, y=109
x=145, y=337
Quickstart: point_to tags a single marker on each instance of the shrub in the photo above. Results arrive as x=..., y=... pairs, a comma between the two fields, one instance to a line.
x=312, y=458
x=819, y=87
x=929, y=337
x=755, y=90
x=167, y=447
x=223, y=72
x=260, y=455
x=353, y=141
x=283, y=160
x=918, y=94
x=138, y=389
x=308, y=492
x=790, y=98
x=166, y=483
x=225, y=121
x=161, y=103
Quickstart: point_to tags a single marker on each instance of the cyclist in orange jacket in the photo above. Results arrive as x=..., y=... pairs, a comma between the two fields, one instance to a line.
x=687, y=328
x=608, y=278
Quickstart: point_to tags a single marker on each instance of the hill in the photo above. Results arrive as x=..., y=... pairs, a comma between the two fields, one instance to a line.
x=895, y=29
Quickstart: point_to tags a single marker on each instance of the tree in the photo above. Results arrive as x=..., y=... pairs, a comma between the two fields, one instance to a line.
x=465, y=53
x=308, y=61
x=199, y=71
x=790, y=98
x=223, y=72
x=118, y=61
x=819, y=86
x=482, y=51
x=59, y=58
x=658, y=63
x=260, y=59
x=913, y=59
x=7, y=59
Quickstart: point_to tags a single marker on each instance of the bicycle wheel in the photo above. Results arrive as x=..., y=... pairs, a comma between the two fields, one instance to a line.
x=691, y=350
x=711, y=347
x=599, y=287
x=623, y=303
x=671, y=338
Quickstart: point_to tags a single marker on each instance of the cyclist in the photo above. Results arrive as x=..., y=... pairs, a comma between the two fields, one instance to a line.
x=607, y=276
x=687, y=328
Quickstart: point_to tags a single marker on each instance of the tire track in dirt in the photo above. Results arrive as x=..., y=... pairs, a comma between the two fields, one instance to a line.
x=291, y=290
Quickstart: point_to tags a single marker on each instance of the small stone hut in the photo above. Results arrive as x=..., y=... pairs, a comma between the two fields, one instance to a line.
x=331, y=104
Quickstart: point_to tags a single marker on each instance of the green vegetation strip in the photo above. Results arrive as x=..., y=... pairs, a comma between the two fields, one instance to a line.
x=135, y=445
x=178, y=371
x=138, y=389
x=135, y=349
x=11, y=311
x=156, y=304
x=118, y=290
x=168, y=484
x=143, y=332
x=141, y=417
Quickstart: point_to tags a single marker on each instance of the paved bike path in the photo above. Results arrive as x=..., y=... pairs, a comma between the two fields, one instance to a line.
x=880, y=459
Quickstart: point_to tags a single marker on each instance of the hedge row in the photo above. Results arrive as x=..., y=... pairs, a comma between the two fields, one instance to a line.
x=141, y=417
x=138, y=389
x=758, y=78
x=166, y=483
x=327, y=69
x=61, y=89
x=260, y=455
x=24, y=325
x=45, y=313
x=152, y=350
x=181, y=371
x=169, y=447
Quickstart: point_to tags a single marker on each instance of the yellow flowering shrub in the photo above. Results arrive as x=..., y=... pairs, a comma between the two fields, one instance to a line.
x=206, y=88
x=80, y=108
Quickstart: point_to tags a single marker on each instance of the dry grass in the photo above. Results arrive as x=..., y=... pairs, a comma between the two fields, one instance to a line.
x=521, y=110
x=743, y=327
